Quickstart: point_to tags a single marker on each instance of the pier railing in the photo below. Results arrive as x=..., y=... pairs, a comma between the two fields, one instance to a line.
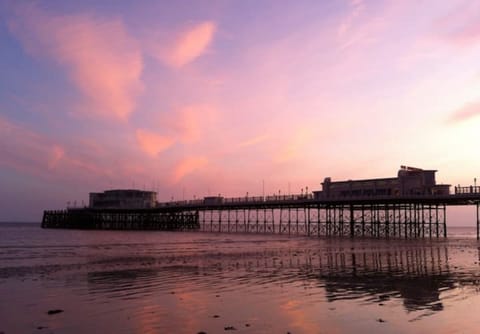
x=462, y=196
x=467, y=190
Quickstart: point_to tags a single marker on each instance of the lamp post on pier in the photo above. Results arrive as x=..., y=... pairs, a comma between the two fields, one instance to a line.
x=263, y=189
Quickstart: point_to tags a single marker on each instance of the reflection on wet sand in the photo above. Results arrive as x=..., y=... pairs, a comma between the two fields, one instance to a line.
x=416, y=275
x=188, y=283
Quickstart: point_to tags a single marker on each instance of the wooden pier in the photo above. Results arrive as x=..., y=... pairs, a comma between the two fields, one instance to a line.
x=418, y=216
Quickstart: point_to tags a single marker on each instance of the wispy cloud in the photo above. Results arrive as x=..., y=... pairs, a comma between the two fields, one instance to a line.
x=23, y=149
x=461, y=25
x=152, y=143
x=187, y=166
x=295, y=144
x=356, y=7
x=189, y=123
x=100, y=56
x=187, y=46
x=468, y=111
x=57, y=153
x=39, y=155
x=44, y=157
x=254, y=141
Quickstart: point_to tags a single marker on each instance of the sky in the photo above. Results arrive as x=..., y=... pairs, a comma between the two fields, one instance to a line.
x=191, y=98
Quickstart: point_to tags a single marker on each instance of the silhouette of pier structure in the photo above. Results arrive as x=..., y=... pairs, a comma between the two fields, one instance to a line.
x=411, y=205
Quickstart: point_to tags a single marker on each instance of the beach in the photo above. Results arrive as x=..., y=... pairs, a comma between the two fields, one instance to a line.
x=194, y=282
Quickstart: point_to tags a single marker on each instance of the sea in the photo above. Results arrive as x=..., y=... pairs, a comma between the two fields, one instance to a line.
x=77, y=281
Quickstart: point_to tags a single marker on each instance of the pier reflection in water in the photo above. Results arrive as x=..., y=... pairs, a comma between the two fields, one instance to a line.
x=414, y=274
x=192, y=282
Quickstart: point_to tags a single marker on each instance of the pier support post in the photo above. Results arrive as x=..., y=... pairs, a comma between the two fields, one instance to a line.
x=245, y=219
x=306, y=212
x=318, y=220
x=288, y=221
x=430, y=221
x=352, y=222
x=387, y=221
x=444, y=221
x=264, y=220
x=211, y=220
x=296, y=220
x=363, y=220
x=478, y=220
x=228, y=221
x=236, y=220
x=273, y=220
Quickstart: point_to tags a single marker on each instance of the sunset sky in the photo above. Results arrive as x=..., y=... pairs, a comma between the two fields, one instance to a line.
x=191, y=98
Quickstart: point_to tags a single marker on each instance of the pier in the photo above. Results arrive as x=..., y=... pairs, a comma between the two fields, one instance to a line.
x=422, y=216
x=410, y=205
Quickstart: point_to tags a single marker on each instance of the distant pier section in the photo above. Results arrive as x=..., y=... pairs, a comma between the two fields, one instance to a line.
x=410, y=205
x=127, y=209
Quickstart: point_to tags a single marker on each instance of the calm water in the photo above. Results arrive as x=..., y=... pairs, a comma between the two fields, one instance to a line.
x=175, y=282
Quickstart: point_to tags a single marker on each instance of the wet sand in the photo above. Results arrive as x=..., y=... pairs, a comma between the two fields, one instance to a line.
x=161, y=282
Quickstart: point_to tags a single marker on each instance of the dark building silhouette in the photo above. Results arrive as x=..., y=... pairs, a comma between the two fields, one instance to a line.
x=123, y=199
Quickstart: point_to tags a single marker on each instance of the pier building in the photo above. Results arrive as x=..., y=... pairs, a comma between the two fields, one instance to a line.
x=123, y=199
x=409, y=181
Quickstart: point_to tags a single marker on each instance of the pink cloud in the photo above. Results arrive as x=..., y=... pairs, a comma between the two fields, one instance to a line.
x=153, y=143
x=470, y=34
x=466, y=112
x=39, y=155
x=188, y=166
x=57, y=153
x=191, y=121
x=254, y=141
x=24, y=149
x=102, y=59
x=461, y=25
x=188, y=46
x=36, y=154
x=294, y=146
x=357, y=7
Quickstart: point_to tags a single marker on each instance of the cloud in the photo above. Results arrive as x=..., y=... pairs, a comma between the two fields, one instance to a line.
x=461, y=26
x=102, y=59
x=187, y=166
x=152, y=143
x=24, y=149
x=254, y=141
x=190, y=122
x=470, y=34
x=356, y=8
x=466, y=112
x=74, y=162
x=295, y=144
x=188, y=46
x=56, y=155
x=37, y=154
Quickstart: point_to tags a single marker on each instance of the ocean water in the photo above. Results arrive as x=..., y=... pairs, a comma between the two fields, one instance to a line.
x=192, y=282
